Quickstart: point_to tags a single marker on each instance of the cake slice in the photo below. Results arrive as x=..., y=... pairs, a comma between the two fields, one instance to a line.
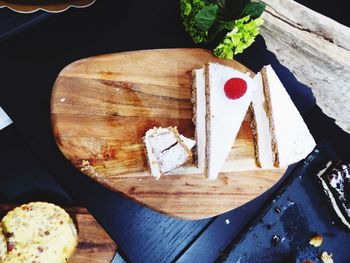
x=291, y=140
x=199, y=112
x=335, y=181
x=166, y=150
x=228, y=95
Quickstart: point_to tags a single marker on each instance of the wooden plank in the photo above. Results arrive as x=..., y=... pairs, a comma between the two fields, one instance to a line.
x=102, y=106
x=94, y=245
x=316, y=49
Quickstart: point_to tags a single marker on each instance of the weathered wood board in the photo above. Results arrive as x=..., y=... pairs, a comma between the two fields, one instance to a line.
x=102, y=106
x=316, y=49
x=94, y=246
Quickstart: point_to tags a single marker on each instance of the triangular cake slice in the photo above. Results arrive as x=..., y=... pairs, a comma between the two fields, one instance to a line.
x=199, y=112
x=166, y=150
x=225, y=111
x=291, y=140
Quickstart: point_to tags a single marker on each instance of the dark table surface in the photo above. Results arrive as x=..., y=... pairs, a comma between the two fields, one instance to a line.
x=34, y=169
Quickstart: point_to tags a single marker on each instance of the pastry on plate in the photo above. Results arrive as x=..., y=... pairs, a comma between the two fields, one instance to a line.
x=39, y=232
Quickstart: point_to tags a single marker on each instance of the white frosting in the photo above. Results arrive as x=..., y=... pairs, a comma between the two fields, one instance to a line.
x=262, y=124
x=225, y=115
x=172, y=158
x=187, y=141
x=199, y=81
x=294, y=141
x=162, y=141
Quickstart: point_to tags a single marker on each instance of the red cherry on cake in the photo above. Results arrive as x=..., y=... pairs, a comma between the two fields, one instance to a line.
x=235, y=88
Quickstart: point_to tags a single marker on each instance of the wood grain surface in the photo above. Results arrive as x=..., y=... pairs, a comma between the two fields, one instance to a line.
x=102, y=106
x=27, y=6
x=316, y=49
x=94, y=246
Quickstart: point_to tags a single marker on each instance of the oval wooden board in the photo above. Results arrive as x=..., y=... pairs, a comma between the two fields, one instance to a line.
x=94, y=244
x=102, y=106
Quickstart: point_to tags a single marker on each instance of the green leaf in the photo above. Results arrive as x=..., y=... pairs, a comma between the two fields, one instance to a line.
x=241, y=37
x=254, y=9
x=189, y=8
x=205, y=18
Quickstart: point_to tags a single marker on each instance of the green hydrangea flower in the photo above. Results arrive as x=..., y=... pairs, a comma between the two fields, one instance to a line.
x=239, y=38
x=189, y=8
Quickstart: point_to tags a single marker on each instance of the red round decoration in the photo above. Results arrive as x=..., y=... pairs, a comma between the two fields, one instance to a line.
x=235, y=88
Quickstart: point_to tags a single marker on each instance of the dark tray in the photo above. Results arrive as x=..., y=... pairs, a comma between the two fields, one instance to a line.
x=297, y=211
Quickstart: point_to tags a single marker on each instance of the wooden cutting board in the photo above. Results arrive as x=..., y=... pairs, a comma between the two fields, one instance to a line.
x=95, y=245
x=102, y=106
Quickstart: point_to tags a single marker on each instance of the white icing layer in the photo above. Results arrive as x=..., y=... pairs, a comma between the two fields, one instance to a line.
x=262, y=124
x=172, y=158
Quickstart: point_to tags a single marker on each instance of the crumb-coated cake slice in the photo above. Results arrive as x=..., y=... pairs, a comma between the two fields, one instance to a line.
x=281, y=136
x=166, y=150
x=39, y=232
x=291, y=139
x=228, y=95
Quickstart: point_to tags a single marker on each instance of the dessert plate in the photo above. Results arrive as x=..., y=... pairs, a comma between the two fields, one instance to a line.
x=94, y=246
x=102, y=106
x=30, y=6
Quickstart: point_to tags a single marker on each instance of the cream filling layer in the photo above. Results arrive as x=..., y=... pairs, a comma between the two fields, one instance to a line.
x=262, y=124
x=200, y=110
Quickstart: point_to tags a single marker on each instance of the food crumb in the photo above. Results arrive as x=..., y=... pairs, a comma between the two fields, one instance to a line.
x=316, y=240
x=63, y=100
x=326, y=258
x=140, y=179
x=275, y=240
x=227, y=221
